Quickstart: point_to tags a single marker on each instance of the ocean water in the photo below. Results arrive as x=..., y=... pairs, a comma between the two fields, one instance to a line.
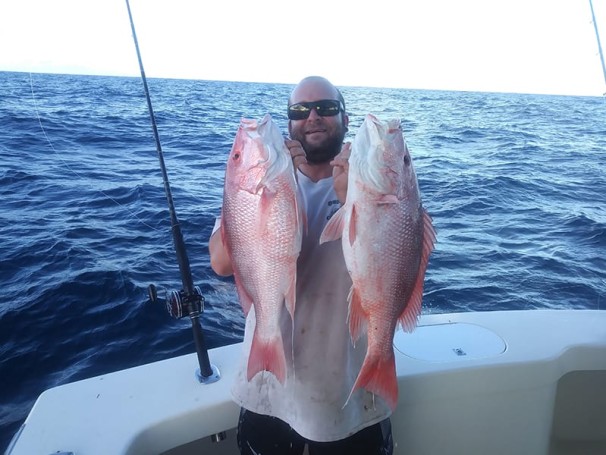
x=516, y=185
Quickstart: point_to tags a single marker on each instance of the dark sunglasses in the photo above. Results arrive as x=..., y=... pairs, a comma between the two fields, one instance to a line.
x=324, y=108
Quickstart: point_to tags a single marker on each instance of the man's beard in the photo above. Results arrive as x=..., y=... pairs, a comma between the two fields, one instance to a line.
x=324, y=152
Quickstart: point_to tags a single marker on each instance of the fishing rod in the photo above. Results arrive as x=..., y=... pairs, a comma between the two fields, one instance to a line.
x=189, y=301
x=597, y=35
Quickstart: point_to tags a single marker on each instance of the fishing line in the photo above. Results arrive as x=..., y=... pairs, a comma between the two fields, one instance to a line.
x=73, y=171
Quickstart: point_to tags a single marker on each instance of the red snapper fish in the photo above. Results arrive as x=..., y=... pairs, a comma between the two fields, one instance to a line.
x=387, y=237
x=262, y=229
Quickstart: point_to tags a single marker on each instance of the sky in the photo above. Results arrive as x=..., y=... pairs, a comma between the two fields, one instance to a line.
x=520, y=46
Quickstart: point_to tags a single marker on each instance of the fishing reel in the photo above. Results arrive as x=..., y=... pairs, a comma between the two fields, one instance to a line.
x=179, y=304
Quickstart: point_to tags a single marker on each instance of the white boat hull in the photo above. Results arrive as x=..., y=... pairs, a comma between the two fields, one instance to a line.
x=516, y=382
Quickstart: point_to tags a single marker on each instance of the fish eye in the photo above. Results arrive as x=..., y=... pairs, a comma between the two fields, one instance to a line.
x=407, y=160
x=236, y=155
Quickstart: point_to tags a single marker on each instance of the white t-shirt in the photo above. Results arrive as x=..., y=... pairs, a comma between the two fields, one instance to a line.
x=326, y=363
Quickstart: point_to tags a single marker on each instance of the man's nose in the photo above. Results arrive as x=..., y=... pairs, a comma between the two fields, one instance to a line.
x=313, y=114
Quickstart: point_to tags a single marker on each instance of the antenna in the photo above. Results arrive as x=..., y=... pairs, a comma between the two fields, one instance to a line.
x=597, y=35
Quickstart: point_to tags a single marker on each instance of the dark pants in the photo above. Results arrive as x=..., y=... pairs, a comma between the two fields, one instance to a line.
x=265, y=435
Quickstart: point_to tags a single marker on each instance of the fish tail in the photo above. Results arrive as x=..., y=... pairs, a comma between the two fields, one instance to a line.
x=267, y=356
x=378, y=376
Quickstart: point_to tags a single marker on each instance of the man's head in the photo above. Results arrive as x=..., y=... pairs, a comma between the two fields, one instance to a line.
x=320, y=127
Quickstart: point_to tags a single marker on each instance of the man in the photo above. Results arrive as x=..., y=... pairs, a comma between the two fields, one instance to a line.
x=313, y=406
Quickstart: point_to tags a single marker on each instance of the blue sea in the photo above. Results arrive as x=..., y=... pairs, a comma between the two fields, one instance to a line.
x=515, y=183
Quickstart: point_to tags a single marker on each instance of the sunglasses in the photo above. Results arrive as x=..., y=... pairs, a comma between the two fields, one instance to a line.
x=324, y=108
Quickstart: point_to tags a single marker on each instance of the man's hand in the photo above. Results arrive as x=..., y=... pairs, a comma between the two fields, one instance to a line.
x=296, y=152
x=340, y=171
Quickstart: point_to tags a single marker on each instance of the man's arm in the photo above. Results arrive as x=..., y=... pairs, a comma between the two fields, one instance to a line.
x=219, y=258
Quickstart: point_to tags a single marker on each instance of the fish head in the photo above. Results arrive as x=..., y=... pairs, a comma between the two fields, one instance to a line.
x=403, y=170
x=257, y=156
x=381, y=161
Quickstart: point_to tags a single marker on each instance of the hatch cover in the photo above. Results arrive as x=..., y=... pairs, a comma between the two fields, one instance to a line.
x=449, y=342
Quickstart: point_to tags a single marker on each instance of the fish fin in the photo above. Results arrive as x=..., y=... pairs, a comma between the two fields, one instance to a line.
x=388, y=199
x=429, y=234
x=245, y=300
x=353, y=220
x=334, y=227
x=356, y=316
x=265, y=204
x=299, y=207
x=267, y=356
x=291, y=293
x=301, y=220
x=412, y=310
x=223, y=232
x=378, y=376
